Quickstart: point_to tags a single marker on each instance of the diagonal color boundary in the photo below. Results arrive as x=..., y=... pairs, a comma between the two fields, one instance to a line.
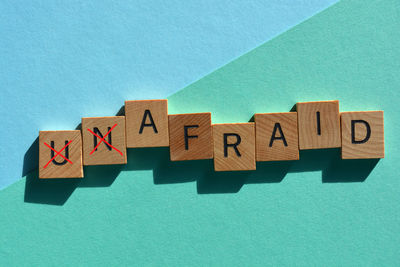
x=30, y=167
x=87, y=57
x=310, y=212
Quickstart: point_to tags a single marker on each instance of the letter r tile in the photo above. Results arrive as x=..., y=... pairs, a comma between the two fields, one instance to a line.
x=234, y=147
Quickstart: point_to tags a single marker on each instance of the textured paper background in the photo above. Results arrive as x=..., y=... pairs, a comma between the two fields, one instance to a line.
x=318, y=211
x=63, y=60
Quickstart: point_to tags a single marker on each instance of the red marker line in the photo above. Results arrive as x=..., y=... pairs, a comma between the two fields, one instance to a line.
x=58, y=153
x=103, y=140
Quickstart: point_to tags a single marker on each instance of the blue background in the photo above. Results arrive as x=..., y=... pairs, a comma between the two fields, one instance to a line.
x=63, y=60
x=320, y=210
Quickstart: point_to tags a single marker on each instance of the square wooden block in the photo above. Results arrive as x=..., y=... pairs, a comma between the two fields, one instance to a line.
x=319, y=124
x=67, y=163
x=362, y=135
x=234, y=147
x=110, y=151
x=190, y=136
x=146, y=123
x=276, y=136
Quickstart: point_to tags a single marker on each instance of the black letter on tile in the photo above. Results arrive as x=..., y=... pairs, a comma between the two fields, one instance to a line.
x=187, y=136
x=52, y=154
x=147, y=113
x=97, y=131
x=353, y=134
x=234, y=145
x=281, y=137
x=318, y=123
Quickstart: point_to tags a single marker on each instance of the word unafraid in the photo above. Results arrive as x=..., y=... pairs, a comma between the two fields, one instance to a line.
x=233, y=146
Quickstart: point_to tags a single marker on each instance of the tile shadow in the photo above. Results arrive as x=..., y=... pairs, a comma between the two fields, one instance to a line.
x=213, y=182
x=170, y=172
x=348, y=171
x=48, y=191
x=315, y=160
x=31, y=158
x=201, y=171
x=146, y=158
x=100, y=175
x=269, y=172
x=57, y=191
x=327, y=161
x=334, y=169
x=165, y=171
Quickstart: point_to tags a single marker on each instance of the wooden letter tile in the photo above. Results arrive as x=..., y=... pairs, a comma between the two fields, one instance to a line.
x=362, y=135
x=190, y=136
x=319, y=124
x=276, y=136
x=67, y=163
x=112, y=152
x=146, y=123
x=234, y=147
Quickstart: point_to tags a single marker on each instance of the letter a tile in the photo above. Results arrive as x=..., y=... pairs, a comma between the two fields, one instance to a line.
x=276, y=136
x=147, y=123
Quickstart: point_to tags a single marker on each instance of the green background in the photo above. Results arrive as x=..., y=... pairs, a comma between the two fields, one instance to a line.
x=319, y=211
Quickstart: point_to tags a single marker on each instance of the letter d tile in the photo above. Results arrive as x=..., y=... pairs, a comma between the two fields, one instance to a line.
x=362, y=135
